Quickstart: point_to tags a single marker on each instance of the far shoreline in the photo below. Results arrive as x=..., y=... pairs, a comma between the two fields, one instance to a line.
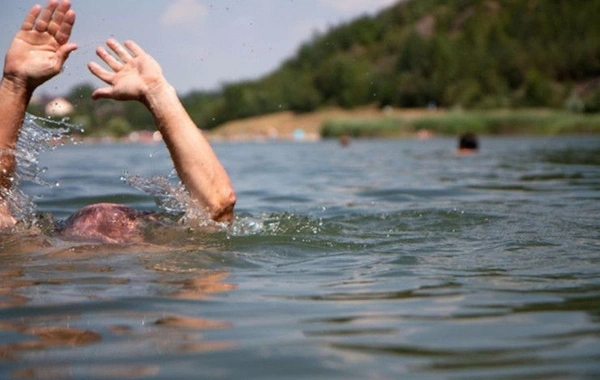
x=372, y=122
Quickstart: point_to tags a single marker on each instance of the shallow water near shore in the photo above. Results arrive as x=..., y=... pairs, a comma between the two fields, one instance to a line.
x=383, y=259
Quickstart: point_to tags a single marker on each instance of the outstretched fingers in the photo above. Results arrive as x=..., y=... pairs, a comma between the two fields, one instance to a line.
x=103, y=74
x=111, y=61
x=44, y=20
x=29, y=21
x=115, y=64
x=119, y=50
x=128, y=71
x=65, y=27
x=58, y=16
x=134, y=48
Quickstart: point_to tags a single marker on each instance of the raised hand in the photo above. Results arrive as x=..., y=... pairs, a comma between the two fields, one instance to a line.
x=134, y=74
x=41, y=47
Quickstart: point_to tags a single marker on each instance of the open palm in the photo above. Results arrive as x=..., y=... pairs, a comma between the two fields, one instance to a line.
x=41, y=46
x=133, y=72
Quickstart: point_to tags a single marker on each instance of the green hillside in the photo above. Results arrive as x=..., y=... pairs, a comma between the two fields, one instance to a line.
x=472, y=54
x=468, y=53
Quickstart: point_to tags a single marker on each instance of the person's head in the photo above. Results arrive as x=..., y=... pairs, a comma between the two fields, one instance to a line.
x=104, y=222
x=468, y=142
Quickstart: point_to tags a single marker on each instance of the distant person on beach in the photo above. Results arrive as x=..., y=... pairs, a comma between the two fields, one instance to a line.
x=468, y=143
x=38, y=53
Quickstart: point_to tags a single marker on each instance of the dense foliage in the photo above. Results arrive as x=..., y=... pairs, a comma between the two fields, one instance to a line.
x=463, y=53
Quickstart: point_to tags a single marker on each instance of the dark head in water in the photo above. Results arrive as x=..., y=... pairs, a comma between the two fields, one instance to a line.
x=468, y=143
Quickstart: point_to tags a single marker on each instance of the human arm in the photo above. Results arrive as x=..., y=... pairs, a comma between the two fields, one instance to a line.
x=137, y=76
x=36, y=54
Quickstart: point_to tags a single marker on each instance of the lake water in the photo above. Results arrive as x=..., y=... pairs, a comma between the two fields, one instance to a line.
x=384, y=259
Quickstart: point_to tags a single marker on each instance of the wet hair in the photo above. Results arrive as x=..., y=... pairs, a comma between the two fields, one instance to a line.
x=468, y=141
x=104, y=222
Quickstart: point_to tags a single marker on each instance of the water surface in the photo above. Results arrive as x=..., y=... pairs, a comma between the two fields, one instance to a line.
x=383, y=259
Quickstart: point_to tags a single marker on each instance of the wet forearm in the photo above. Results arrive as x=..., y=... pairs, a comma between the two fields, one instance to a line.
x=14, y=99
x=13, y=103
x=195, y=161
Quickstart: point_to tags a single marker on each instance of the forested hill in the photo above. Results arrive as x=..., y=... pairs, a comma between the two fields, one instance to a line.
x=467, y=53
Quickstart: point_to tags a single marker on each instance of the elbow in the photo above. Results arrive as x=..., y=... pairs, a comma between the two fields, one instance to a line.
x=224, y=211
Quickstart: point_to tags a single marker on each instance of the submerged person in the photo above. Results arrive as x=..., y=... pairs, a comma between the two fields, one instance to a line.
x=468, y=143
x=38, y=53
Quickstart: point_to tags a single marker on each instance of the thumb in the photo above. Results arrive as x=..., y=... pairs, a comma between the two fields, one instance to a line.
x=102, y=93
x=65, y=50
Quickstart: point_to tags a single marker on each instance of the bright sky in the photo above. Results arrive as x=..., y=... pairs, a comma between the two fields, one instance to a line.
x=200, y=44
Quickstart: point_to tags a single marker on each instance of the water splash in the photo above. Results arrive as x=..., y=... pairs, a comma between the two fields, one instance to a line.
x=171, y=197
x=37, y=135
